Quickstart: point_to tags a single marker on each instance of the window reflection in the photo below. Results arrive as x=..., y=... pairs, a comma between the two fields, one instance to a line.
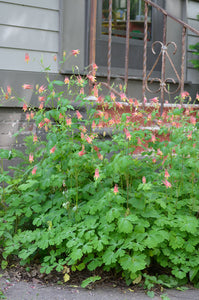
x=119, y=12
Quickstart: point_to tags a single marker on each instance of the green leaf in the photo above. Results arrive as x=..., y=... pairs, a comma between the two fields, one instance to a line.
x=76, y=254
x=30, y=183
x=125, y=225
x=90, y=280
x=133, y=264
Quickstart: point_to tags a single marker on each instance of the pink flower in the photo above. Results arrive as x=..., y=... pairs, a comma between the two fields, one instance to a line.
x=96, y=176
x=155, y=100
x=154, y=160
x=115, y=190
x=79, y=116
x=139, y=141
x=41, y=124
x=159, y=152
x=27, y=58
x=193, y=120
x=95, y=67
x=68, y=122
x=143, y=179
x=197, y=96
x=31, y=159
x=28, y=117
x=91, y=78
x=9, y=90
x=41, y=98
x=81, y=91
x=55, y=57
x=81, y=153
x=53, y=149
x=128, y=135
x=123, y=96
x=35, y=139
x=66, y=80
x=32, y=114
x=41, y=106
x=149, y=117
x=27, y=86
x=189, y=136
x=75, y=52
x=42, y=89
x=95, y=91
x=25, y=107
x=166, y=175
x=88, y=139
x=167, y=183
x=184, y=95
x=34, y=170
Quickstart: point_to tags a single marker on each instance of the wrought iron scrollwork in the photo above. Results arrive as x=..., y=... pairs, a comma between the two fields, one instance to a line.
x=163, y=81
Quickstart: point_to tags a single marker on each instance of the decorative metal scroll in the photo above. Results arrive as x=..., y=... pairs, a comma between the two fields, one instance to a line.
x=163, y=81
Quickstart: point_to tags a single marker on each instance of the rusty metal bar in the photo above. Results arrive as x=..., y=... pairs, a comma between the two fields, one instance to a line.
x=187, y=26
x=109, y=41
x=127, y=45
x=164, y=48
x=93, y=17
x=183, y=57
x=145, y=51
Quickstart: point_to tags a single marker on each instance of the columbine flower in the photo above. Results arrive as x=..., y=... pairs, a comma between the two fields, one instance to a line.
x=100, y=156
x=115, y=190
x=35, y=139
x=68, y=122
x=41, y=98
x=184, y=95
x=53, y=149
x=81, y=153
x=143, y=179
x=95, y=67
x=154, y=160
x=27, y=86
x=89, y=140
x=75, y=52
x=159, y=152
x=41, y=106
x=28, y=117
x=167, y=183
x=128, y=135
x=25, y=107
x=189, y=136
x=96, y=176
x=42, y=89
x=139, y=141
x=31, y=159
x=155, y=100
x=91, y=78
x=55, y=57
x=66, y=80
x=123, y=96
x=9, y=90
x=197, y=96
x=34, y=170
x=27, y=58
x=79, y=116
x=166, y=174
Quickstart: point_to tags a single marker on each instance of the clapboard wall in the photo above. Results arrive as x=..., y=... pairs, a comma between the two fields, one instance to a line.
x=29, y=26
x=192, y=12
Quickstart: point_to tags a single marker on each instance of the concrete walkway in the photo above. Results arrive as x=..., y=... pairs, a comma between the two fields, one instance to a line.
x=21, y=290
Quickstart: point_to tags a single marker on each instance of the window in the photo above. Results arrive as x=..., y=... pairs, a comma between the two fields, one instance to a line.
x=119, y=16
x=119, y=10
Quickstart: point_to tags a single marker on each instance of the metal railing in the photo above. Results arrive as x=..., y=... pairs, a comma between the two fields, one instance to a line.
x=163, y=54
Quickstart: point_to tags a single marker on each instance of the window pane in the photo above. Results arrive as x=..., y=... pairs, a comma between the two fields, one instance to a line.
x=119, y=11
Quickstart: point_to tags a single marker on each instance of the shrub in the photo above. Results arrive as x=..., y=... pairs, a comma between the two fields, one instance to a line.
x=81, y=199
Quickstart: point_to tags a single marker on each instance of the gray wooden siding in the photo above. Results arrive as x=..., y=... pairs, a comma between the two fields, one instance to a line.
x=29, y=27
x=192, y=12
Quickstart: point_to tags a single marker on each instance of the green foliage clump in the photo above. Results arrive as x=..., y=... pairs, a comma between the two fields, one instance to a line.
x=81, y=199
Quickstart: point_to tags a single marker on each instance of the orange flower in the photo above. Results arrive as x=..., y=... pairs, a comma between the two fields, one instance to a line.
x=167, y=184
x=143, y=179
x=55, y=57
x=27, y=58
x=166, y=175
x=75, y=52
x=115, y=190
x=79, y=116
x=68, y=121
x=27, y=86
x=34, y=170
x=96, y=176
x=25, y=107
x=53, y=149
x=35, y=139
x=184, y=95
x=91, y=78
x=42, y=89
x=81, y=153
x=31, y=159
x=9, y=90
x=66, y=80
